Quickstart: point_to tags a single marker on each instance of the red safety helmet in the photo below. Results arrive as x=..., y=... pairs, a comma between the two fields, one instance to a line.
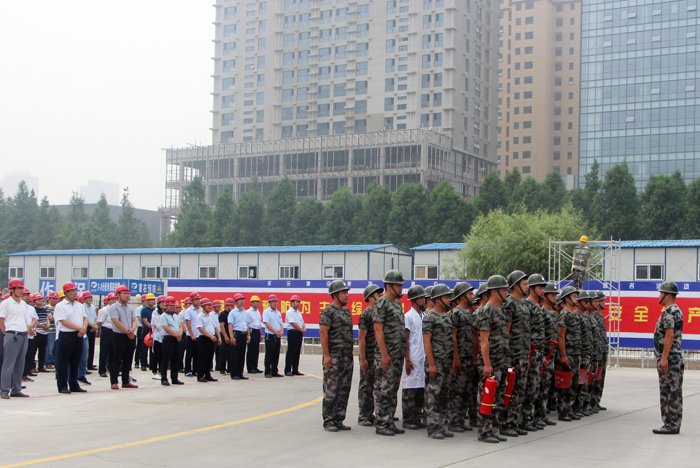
x=69, y=286
x=122, y=289
x=6, y=297
x=16, y=283
x=26, y=292
x=80, y=299
x=238, y=296
x=205, y=301
x=87, y=294
x=37, y=296
x=170, y=301
x=52, y=295
x=195, y=295
x=188, y=300
x=216, y=303
x=160, y=299
x=272, y=297
x=230, y=302
x=295, y=298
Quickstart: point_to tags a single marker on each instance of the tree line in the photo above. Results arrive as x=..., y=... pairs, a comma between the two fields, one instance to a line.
x=28, y=224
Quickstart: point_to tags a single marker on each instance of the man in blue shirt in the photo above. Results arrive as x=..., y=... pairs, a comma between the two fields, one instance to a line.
x=272, y=319
x=239, y=334
x=296, y=329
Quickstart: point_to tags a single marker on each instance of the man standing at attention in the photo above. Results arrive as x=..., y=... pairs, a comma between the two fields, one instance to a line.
x=296, y=329
x=272, y=318
x=72, y=323
x=255, y=325
x=13, y=325
x=367, y=344
x=413, y=377
x=579, y=263
x=124, y=327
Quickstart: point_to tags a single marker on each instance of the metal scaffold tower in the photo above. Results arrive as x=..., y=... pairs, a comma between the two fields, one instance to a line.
x=604, y=267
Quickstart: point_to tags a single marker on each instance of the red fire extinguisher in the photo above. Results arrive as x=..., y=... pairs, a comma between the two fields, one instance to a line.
x=489, y=396
x=510, y=384
x=532, y=350
x=552, y=346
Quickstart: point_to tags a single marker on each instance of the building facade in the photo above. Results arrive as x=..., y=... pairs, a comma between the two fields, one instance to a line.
x=639, y=87
x=539, y=88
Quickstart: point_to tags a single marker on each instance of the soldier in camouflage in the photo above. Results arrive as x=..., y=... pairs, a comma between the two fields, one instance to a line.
x=480, y=300
x=551, y=322
x=462, y=386
x=439, y=342
x=517, y=313
x=596, y=353
x=538, y=317
x=335, y=326
x=413, y=379
x=390, y=333
x=570, y=349
x=429, y=304
x=494, y=356
x=579, y=263
x=597, y=391
x=586, y=352
x=668, y=337
x=367, y=345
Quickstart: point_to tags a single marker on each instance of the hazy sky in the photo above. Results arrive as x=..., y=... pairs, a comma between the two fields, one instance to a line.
x=95, y=90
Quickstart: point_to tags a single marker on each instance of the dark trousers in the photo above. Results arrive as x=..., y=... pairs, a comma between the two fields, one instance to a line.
x=191, y=355
x=105, y=347
x=91, y=348
x=272, y=353
x=294, y=341
x=137, y=354
x=143, y=350
x=181, y=347
x=29, y=358
x=170, y=355
x=253, y=350
x=41, y=342
x=156, y=353
x=71, y=347
x=222, y=356
x=205, y=353
x=237, y=354
x=122, y=353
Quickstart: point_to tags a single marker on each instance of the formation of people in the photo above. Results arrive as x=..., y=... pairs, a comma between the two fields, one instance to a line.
x=500, y=358
x=57, y=333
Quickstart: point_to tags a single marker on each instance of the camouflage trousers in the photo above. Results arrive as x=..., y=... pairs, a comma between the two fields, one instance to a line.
x=671, y=392
x=542, y=406
x=566, y=395
x=365, y=393
x=386, y=389
x=413, y=405
x=514, y=410
x=532, y=389
x=462, y=395
x=337, y=382
x=581, y=398
x=437, y=396
x=597, y=391
x=577, y=276
x=489, y=424
x=590, y=401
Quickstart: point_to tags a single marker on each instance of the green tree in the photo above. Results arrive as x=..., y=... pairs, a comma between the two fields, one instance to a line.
x=191, y=225
x=279, y=211
x=664, y=207
x=251, y=207
x=552, y=192
x=406, y=226
x=448, y=216
x=101, y=231
x=131, y=230
x=579, y=201
x=526, y=194
x=500, y=242
x=76, y=210
x=593, y=181
x=371, y=220
x=223, y=229
x=692, y=217
x=22, y=214
x=307, y=221
x=617, y=205
x=512, y=180
x=338, y=218
x=492, y=194
x=47, y=226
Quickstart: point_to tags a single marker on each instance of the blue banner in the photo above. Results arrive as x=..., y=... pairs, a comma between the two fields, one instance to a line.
x=145, y=287
x=81, y=285
x=105, y=286
x=47, y=286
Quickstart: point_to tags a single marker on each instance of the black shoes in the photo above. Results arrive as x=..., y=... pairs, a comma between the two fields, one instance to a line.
x=664, y=430
x=64, y=391
x=383, y=431
x=165, y=383
x=289, y=374
x=297, y=373
x=211, y=379
x=397, y=430
x=103, y=375
x=342, y=427
x=78, y=390
x=269, y=376
x=84, y=380
x=202, y=380
x=19, y=395
x=178, y=382
x=235, y=377
x=277, y=374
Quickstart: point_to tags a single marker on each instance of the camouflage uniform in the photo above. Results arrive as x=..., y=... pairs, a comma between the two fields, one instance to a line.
x=538, y=318
x=463, y=399
x=365, y=397
x=572, y=322
x=386, y=383
x=597, y=390
x=581, y=256
x=586, y=352
x=493, y=320
x=671, y=382
x=337, y=381
x=518, y=314
x=542, y=405
x=596, y=361
x=437, y=391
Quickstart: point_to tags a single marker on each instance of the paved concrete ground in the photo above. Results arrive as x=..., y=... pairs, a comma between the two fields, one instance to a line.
x=50, y=425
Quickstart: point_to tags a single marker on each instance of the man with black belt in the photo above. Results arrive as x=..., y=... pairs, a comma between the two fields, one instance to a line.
x=296, y=329
x=367, y=343
x=240, y=336
x=222, y=364
x=272, y=318
x=92, y=330
x=13, y=326
x=124, y=328
x=255, y=326
x=146, y=312
x=104, y=323
x=205, y=347
x=190, y=315
x=72, y=324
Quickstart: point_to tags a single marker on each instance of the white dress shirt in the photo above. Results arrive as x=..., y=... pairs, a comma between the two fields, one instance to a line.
x=104, y=318
x=293, y=316
x=15, y=315
x=73, y=312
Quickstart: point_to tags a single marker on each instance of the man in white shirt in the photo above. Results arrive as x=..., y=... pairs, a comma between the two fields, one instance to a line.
x=239, y=333
x=13, y=325
x=272, y=318
x=71, y=321
x=296, y=329
x=256, y=330
x=208, y=336
x=104, y=322
x=190, y=316
x=413, y=378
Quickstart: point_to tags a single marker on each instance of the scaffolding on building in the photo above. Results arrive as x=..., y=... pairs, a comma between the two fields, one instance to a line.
x=604, y=267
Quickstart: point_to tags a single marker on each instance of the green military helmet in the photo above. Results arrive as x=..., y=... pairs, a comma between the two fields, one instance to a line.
x=592, y=295
x=480, y=291
x=496, y=282
x=669, y=287
x=393, y=277
x=515, y=277
x=415, y=292
x=461, y=289
x=536, y=280
x=429, y=292
x=601, y=295
x=337, y=286
x=441, y=290
x=567, y=291
x=369, y=290
x=551, y=288
x=583, y=295
x=559, y=299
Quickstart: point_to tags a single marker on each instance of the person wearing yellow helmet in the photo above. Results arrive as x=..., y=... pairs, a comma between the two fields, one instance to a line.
x=580, y=262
